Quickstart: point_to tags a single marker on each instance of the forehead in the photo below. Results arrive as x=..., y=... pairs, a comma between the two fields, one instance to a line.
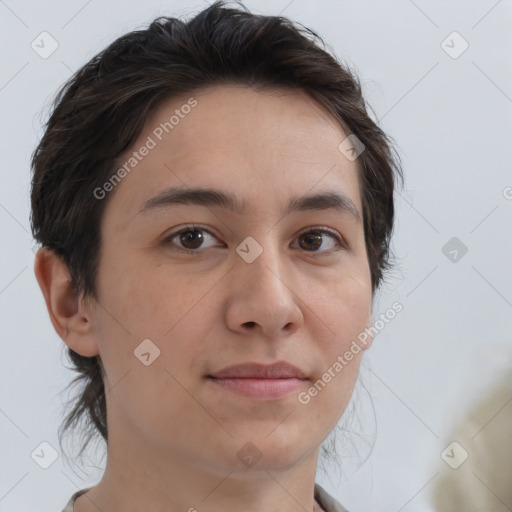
x=263, y=146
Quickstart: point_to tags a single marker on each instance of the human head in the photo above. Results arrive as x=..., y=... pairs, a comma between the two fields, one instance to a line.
x=101, y=111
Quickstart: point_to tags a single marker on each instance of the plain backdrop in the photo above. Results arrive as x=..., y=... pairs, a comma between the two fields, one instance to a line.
x=450, y=113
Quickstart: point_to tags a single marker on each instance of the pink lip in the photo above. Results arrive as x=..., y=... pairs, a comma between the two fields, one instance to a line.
x=279, y=370
x=259, y=380
x=260, y=388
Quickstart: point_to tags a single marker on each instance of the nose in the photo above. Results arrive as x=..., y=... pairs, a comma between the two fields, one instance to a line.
x=262, y=297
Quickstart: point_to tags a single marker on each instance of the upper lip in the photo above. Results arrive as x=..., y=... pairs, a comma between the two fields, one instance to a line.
x=279, y=370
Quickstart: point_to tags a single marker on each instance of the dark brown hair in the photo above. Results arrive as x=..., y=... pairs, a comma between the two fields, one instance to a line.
x=100, y=111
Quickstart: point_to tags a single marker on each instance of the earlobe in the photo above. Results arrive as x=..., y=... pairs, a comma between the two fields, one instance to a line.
x=71, y=319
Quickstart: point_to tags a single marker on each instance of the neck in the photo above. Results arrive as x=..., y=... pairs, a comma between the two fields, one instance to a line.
x=144, y=477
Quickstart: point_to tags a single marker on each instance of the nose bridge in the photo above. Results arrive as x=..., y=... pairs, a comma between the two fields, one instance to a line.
x=262, y=262
x=263, y=295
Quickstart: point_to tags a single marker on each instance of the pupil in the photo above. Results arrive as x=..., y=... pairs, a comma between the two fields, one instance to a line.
x=187, y=238
x=311, y=238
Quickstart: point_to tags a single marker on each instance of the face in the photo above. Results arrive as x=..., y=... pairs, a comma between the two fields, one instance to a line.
x=208, y=287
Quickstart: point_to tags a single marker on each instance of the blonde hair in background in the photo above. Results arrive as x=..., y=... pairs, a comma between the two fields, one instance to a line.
x=477, y=476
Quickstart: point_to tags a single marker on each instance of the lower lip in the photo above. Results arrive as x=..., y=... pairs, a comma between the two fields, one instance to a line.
x=260, y=388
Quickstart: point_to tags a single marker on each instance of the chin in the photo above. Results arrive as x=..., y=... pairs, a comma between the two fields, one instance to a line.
x=272, y=453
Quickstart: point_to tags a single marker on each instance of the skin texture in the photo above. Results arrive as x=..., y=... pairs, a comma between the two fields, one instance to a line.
x=174, y=435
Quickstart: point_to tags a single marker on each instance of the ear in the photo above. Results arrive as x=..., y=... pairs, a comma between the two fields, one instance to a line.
x=70, y=316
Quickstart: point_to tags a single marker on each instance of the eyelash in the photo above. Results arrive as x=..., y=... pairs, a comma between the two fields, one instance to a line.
x=316, y=229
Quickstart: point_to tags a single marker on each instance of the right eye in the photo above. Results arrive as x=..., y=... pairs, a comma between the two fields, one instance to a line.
x=192, y=236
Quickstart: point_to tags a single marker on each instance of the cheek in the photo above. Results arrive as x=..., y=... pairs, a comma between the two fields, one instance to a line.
x=152, y=301
x=346, y=310
x=346, y=307
x=137, y=305
x=168, y=308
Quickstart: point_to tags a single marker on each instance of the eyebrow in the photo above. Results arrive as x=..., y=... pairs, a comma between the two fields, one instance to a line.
x=211, y=197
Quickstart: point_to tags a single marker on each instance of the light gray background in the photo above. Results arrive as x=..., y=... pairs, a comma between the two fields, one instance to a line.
x=451, y=119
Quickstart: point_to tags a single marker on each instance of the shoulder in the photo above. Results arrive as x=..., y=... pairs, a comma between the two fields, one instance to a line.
x=69, y=504
x=328, y=503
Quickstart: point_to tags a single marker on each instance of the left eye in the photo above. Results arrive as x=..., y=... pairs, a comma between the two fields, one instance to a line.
x=192, y=238
x=315, y=236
